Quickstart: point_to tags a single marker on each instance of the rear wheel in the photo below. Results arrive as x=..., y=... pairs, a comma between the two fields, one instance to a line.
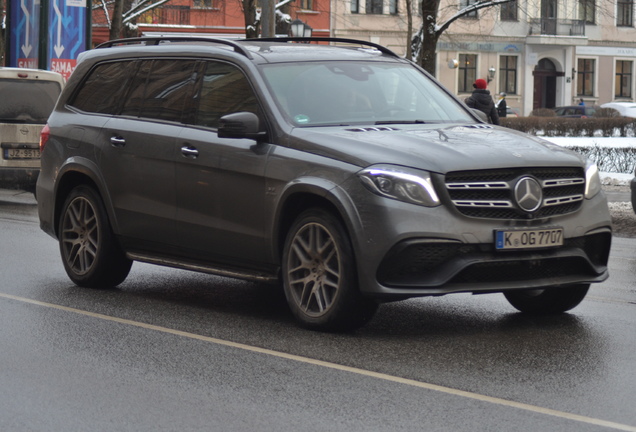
x=90, y=253
x=547, y=301
x=319, y=275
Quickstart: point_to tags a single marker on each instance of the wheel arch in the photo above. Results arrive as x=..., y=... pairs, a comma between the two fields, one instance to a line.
x=309, y=193
x=73, y=174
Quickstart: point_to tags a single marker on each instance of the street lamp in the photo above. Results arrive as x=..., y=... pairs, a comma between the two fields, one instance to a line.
x=491, y=73
x=300, y=29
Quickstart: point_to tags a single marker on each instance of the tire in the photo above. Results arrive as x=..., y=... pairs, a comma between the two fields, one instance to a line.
x=91, y=255
x=547, y=301
x=319, y=275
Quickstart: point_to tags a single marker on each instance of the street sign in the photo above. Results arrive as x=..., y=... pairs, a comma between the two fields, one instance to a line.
x=67, y=34
x=24, y=35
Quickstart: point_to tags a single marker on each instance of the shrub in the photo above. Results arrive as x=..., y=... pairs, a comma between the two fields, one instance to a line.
x=543, y=112
x=606, y=113
x=572, y=127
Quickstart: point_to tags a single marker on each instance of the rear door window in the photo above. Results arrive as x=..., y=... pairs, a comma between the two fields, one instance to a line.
x=161, y=89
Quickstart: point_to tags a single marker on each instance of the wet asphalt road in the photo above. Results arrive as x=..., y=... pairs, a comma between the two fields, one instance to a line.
x=171, y=350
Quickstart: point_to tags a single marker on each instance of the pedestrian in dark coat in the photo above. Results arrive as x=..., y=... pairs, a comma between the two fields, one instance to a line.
x=481, y=100
x=502, y=106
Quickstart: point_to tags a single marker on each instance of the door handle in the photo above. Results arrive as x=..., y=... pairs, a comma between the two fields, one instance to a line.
x=117, y=141
x=189, y=152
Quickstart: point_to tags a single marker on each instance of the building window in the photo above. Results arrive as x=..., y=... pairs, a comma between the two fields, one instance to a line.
x=585, y=77
x=508, y=74
x=203, y=4
x=465, y=3
x=625, y=13
x=623, y=82
x=374, y=7
x=587, y=11
x=509, y=11
x=355, y=6
x=393, y=7
x=307, y=4
x=467, y=72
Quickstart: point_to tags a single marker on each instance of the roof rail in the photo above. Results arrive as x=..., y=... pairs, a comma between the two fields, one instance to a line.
x=156, y=40
x=378, y=47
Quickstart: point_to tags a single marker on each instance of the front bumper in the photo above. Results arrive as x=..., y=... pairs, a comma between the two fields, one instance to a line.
x=443, y=267
x=408, y=251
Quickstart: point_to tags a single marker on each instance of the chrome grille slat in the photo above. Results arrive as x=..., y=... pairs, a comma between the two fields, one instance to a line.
x=563, y=182
x=479, y=185
x=562, y=200
x=485, y=204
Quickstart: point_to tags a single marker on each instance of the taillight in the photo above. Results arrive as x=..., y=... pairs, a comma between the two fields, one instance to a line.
x=44, y=136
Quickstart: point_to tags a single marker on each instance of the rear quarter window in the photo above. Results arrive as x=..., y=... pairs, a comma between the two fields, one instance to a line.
x=103, y=90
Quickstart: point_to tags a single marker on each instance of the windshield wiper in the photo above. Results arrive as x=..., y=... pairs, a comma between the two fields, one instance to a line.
x=389, y=122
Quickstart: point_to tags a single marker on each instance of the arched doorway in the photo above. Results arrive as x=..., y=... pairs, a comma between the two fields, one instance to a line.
x=545, y=84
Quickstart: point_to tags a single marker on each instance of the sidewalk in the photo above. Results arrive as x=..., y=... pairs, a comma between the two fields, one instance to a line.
x=17, y=197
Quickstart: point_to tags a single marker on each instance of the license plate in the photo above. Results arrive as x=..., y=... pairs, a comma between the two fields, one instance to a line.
x=22, y=153
x=528, y=239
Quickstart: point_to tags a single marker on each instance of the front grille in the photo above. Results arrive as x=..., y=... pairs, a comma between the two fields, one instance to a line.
x=490, y=193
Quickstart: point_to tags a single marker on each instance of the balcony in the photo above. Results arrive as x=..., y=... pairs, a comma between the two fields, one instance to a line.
x=167, y=15
x=556, y=27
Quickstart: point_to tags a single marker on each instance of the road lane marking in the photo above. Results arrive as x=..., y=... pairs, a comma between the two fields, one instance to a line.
x=335, y=366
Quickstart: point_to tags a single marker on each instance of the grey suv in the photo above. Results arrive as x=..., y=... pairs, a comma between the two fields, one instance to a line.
x=338, y=169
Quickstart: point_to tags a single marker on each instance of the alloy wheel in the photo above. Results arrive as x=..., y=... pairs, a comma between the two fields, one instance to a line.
x=314, y=269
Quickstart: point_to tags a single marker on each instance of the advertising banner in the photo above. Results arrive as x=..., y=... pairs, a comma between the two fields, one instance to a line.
x=67, y=34
x=24, y=35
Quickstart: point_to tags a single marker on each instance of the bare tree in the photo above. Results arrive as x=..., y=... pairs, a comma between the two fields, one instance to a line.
x=123, y=22
x=423, y=44
x=253, y=17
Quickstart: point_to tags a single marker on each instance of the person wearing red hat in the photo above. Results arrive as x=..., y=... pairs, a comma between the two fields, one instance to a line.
x=481, y=100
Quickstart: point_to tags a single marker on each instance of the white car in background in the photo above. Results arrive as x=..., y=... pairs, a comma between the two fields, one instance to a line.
x=627, y=109
x=28, y=97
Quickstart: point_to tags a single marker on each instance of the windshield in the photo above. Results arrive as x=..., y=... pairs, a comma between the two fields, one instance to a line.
x=27, y=101
x=337, y=93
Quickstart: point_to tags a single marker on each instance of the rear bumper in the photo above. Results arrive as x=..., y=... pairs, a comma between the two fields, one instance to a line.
x=19, y=178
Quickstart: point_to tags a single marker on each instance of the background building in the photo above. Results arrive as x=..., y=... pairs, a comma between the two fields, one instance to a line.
x=542, y=53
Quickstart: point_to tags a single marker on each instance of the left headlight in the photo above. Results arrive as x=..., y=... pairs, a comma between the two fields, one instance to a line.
x=592, y=180
x=400, y=183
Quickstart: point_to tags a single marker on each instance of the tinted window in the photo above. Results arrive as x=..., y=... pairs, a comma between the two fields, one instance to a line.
x=224, y=90
x=161, y=89
x=103, y=89
x=27, y=101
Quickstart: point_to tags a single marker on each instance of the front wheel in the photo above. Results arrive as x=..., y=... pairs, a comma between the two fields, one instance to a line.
x=547, y=301
x=90, y=253
x=319, y=275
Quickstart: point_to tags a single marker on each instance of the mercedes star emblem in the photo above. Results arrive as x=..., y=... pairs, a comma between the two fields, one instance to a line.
x=528, y=194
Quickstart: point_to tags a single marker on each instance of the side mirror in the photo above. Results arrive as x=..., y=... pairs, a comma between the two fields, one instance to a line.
x=241, y=125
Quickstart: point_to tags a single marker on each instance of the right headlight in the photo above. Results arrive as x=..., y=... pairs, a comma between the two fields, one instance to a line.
x=403, y=184
x=592, y=180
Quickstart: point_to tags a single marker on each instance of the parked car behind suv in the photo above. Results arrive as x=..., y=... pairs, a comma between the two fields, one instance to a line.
x=343, y=172
x=575, y=111
x=28, y=97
